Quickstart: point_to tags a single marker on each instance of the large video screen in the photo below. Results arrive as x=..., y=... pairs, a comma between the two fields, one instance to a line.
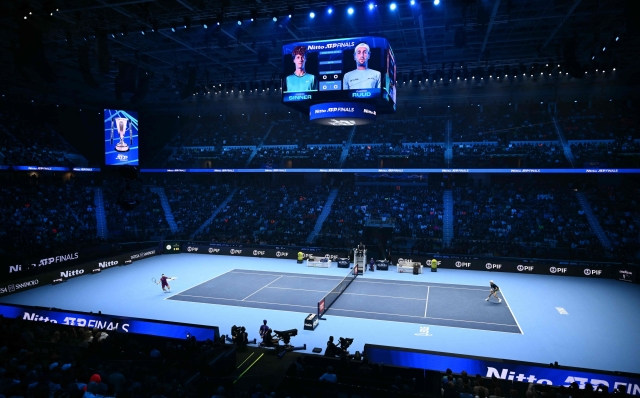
x=120, y=138
x=357, y=68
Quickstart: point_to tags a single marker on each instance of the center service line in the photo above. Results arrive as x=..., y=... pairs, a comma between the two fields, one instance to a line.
x=427, y=303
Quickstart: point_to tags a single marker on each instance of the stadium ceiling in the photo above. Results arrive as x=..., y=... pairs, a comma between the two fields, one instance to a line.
x=89, y=39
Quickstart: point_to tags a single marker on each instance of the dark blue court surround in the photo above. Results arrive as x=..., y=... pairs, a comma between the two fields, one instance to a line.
x=397, y=301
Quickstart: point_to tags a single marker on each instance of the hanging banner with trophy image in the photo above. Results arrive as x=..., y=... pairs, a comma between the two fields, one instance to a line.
x=120, y=137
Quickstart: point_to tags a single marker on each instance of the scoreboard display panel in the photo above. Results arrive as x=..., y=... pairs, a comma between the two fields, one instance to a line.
x=357, y=69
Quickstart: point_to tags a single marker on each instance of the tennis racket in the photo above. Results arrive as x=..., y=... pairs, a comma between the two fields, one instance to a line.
x=154, y=280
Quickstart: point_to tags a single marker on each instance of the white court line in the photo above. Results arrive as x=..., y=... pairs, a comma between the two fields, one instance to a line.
x=422, y=317
x=261, y=288
x=288, y=275
x=305, y=290
x=422, y=286
x=509, y=307
x=198, y=284
x=244, y=301
x=377, y=295
x=427, y=304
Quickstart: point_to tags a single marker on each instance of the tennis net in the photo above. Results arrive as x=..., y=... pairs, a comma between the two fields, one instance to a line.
x=332, y=296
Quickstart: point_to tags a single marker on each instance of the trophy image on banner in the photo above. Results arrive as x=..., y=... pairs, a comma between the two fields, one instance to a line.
x=121, y=124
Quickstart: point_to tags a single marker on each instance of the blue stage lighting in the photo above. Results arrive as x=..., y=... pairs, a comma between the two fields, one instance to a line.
x=239, y=22
x=392, y=6
x=173, y=30
x=275, y=19
x=205, y=26
x=436, y=2
x=350, y=11
x=312, y=14
x=330, y=10
x=371, y=6
x=413, y=2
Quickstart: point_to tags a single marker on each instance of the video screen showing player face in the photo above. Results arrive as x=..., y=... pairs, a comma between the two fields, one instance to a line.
x=344, y=69
x=302, y=71
x=361, y=68
x=120, y=137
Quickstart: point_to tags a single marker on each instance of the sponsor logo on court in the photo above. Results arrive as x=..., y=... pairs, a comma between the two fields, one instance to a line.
x=424, y=331
x=493, y=266
x=18, y=286
x=192, y=249
x=524, y=268
x=71, y=273
x=212, y=250
x=282, y=254
x=107, y=264
x=235, y=251
x=145, y=254
x=460, y=264
x=168, y=247
x=592, y=272
x=258, y=253
x=558, y=270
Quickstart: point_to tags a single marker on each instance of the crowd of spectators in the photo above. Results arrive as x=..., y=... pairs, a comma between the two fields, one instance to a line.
x=45, y=360
x=617, y=211
x=414, y=212
x=29, y=140
x=40, y=219
x=509, y=219
x=192, y=203
x=297, y=131
x=133, y=211
x=399, y=156
x=266, y=215
x=607, y=153
x=228, y=130
x=294, y=157
x=521, y=155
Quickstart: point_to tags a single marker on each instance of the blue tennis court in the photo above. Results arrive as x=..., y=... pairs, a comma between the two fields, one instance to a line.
x=437, y=304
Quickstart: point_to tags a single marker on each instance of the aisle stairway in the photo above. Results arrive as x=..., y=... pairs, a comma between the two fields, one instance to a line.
x=448, y=145
x=593, y=221
x=345, y=149
x=168, y=214
x=323, y=215
x=447, y=217
x=215, y=213
x=255, y=150
x=566, y=147
x=101, y=218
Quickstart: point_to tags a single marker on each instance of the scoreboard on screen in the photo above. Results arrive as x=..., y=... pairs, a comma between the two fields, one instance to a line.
x=343, y=74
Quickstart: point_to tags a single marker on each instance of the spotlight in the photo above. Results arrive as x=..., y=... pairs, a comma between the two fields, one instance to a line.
x=239, y=22
x=205, y=25
x=413, y=2
x=142, y=31
x=312, y=15
x=604, y=48
x=392, y=6
x=350, y=11
x=617, y=38
x=173, y=29
x=275, y=19
x=330, y=10
x=436, y=2
x=371, y=6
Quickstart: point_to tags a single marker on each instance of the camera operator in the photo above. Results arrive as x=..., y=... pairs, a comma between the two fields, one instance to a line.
x=331, y=350
x=239, y=336
x=268, y=340
x=343, y=348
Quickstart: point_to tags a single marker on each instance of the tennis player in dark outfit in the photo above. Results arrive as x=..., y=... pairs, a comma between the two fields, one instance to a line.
x=494, y=290
x=165, y=284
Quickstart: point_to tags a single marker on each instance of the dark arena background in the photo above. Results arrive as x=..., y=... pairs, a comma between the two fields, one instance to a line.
x=299, y=198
